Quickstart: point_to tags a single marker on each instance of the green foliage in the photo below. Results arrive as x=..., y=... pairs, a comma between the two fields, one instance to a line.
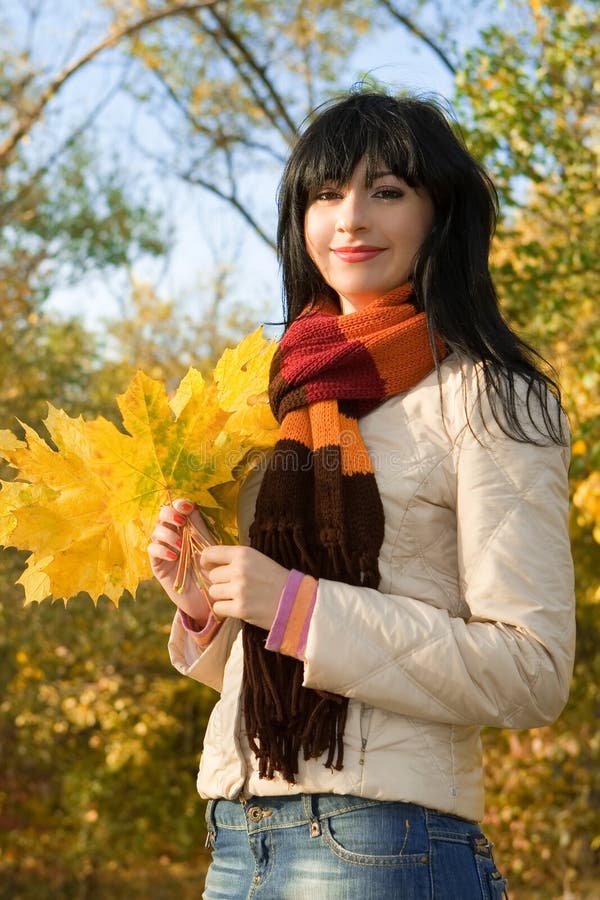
x=88, y=219
x=59, y=223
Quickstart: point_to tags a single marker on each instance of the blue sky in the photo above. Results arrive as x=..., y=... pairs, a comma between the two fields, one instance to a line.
x=206, y=230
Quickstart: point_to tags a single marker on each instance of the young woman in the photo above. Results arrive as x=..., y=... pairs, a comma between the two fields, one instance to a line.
x=408, y=578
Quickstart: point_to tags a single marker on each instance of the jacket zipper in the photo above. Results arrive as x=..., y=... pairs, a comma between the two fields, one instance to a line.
x=365, y=718
x=363, y=747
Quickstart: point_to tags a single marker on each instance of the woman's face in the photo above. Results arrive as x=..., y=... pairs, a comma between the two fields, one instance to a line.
x=364, y=240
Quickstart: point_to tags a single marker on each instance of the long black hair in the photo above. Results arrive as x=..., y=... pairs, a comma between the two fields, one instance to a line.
x=412, y=138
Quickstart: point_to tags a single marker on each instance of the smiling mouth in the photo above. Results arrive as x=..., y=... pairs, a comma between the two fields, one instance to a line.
x=357, y=254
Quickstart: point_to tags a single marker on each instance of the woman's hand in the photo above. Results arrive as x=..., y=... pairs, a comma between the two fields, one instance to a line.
x=164, y=551
x=243, y=583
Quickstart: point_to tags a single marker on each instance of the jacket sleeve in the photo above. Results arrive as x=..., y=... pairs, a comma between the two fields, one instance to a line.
x=206, y=666
x=509, y=664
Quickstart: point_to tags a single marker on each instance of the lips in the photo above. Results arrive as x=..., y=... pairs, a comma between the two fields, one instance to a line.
x=357, y=254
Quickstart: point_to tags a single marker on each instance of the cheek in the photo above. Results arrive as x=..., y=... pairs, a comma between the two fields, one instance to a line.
x=316, y=230
x=313, y=242
x=308, y=234
x=426, y=220
x=416, y=233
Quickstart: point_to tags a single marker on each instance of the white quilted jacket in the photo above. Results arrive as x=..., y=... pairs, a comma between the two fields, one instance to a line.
x=472, y=624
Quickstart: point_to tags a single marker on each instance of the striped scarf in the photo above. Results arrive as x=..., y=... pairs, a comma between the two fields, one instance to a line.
x=318, y=508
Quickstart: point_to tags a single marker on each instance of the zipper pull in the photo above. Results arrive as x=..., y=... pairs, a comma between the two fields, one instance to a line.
x=363, y=747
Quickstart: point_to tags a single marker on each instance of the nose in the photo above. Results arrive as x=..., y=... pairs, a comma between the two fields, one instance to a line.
x=351, y=213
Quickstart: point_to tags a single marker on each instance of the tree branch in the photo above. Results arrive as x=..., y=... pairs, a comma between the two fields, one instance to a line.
x=238, y=67
x=261, y=71
x=27, y=121
x=233, y=201
x=418, y=33
x=219, y=138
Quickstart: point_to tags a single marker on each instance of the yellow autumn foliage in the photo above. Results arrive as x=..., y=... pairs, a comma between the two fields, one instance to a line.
x=86, y=506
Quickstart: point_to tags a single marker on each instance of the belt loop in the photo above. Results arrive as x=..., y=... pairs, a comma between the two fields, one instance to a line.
x=307, y=806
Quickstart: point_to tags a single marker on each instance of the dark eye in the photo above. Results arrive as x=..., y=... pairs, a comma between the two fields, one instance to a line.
x=389, y=193
x=327, y=194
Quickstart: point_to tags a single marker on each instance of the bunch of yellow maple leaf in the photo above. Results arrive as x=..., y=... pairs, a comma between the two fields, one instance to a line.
x=85, y=510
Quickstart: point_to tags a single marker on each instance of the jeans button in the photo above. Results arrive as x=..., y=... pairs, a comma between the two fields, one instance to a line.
x=254, y=813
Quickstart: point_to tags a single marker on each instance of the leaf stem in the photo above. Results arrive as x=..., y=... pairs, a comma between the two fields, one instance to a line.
x=192, y=545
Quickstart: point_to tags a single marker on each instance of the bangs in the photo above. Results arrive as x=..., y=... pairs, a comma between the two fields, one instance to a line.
x=344, y=136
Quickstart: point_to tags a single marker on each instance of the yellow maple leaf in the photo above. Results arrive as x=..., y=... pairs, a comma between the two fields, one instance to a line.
x=242, y=377
x=85, y=510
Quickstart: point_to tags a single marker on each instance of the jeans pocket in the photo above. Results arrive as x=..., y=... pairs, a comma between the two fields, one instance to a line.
x=377, y=835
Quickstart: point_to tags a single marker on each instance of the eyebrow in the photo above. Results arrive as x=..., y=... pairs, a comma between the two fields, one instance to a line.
x=385, y=174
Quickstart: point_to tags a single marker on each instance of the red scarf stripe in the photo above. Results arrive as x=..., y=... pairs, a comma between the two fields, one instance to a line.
x=319, y=357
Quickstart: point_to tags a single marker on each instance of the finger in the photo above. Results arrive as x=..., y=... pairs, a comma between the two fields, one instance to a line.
x=168, y=515
x=159, y=551
x=218, y=555
x=200, y=525
x=221, y=591
x=218, y=574
x=223, y=609
x=164, y=534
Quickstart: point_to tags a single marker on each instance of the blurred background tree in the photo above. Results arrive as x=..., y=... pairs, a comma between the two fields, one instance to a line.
x=529, y=103
x=99, y=737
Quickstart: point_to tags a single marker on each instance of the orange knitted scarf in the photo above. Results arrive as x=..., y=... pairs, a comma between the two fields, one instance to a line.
x=319, y=509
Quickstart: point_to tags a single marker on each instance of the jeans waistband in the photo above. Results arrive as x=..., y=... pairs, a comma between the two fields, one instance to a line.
x=265, y=813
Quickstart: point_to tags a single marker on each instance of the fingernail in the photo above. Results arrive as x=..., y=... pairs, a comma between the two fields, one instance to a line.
x=184, y=506
x=179, y=520
x=178, y=542
x=171, y=555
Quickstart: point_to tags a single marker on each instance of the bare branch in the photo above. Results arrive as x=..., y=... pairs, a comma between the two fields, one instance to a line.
x=27, y=121
x=419, y=33
x=33, y=15
x=238, y=66
x=232, y=200
x=219, y=138
x=258, y=69
x=261, y=71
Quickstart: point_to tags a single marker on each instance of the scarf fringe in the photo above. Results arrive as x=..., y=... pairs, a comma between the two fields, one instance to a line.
x=282, y=739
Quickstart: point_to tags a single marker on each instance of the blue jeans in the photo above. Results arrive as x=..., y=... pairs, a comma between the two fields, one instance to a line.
x=331, y=847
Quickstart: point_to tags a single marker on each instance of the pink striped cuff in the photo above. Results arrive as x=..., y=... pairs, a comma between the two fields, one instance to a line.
x=202, y=636
x=289, y=631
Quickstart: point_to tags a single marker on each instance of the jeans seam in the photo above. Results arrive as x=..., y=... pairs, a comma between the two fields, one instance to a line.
x=352, y=807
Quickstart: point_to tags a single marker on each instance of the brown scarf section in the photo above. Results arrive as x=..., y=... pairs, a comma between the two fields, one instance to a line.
x=318, y=508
